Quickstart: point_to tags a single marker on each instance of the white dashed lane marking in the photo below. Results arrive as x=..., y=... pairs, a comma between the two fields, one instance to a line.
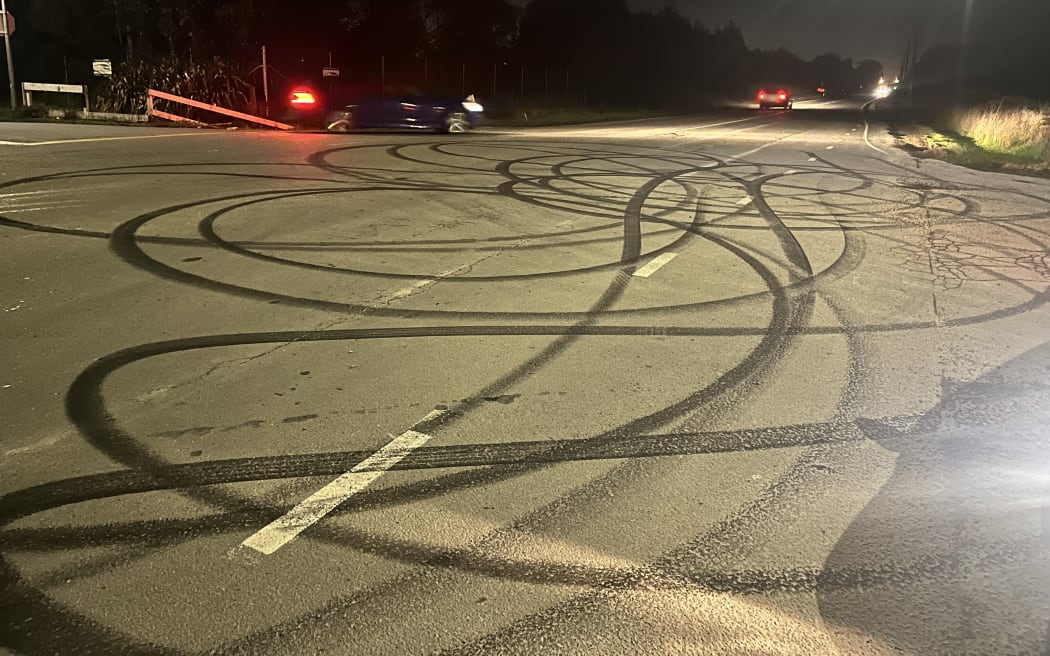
x=654, y=265
x=284, y=529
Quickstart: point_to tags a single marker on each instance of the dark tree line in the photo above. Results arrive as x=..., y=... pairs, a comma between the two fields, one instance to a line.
x=553, y=52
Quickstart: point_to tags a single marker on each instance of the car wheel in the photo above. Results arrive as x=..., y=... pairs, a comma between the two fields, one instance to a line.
x=344, y=123
x=456, y=123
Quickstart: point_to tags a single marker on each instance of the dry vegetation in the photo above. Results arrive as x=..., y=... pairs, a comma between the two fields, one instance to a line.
x=1020, y=132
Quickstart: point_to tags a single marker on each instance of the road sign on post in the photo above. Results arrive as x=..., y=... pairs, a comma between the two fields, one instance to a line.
x=7, y=26
x=102, y=68
x=328, y=71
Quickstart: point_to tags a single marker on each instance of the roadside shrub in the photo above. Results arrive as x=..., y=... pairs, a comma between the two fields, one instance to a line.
x=214, y=82
x=1007, y=128
x=33, y=111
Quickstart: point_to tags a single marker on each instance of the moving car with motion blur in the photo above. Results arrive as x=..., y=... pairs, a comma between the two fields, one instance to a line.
x=780, y=98
x=399, y=108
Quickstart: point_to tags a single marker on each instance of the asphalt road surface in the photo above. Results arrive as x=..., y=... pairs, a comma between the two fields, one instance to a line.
x=741, y=383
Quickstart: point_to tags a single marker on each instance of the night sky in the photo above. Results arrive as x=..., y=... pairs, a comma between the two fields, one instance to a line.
x=860, y=29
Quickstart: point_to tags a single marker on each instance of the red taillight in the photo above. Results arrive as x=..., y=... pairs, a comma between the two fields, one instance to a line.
x=762, y=95
x=303, y=98
x=783, y=96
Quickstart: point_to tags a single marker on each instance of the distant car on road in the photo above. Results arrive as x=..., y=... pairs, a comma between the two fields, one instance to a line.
x=779, y=98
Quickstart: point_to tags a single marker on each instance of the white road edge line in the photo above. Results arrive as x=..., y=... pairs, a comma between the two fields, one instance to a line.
x=867, y=127
x=654, y=265
x=306, y=513
x=744, y=201
x=830, y=148
x=94, y=139
x=812, y=159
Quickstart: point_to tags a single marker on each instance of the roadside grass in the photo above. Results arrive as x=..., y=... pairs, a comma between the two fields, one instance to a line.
x=22, y=113
x=995, y=137
x=1017, y=131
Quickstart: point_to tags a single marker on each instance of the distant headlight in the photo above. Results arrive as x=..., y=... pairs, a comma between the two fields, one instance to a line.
x=473, y=107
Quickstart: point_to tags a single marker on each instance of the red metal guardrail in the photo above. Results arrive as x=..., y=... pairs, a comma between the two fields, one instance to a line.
x=153, y=93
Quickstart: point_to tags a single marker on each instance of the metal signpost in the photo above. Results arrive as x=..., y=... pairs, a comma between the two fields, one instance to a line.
x=7, y=24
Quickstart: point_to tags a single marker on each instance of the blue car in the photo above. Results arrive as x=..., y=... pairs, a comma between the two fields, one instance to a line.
x=408, y=111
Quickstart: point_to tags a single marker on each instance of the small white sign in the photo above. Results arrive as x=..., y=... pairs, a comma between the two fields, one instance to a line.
x=328, y=71
x=102, y=67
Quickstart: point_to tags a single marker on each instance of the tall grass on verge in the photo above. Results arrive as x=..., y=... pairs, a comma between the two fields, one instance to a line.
x=1018, y=131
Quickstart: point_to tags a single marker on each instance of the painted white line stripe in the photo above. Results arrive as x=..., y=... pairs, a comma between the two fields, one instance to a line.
x=654, y=265
x=753, y=151
x=94, y=139
x=812, y=159
x=284, y=529
x=791, y=172
x=744, y=201
x=867, y=127
x=16, y=210
x=830, y=148
x=26, y=193
x=426, y=282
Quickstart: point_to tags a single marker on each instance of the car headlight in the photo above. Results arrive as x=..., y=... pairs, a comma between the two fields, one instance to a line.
x=473, y=107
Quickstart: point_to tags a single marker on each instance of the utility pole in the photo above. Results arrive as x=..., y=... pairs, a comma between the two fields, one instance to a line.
x=266, y=84
x=10, y=61
x=915, y=52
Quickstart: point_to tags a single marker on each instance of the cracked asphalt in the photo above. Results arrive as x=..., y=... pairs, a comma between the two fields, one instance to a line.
x=737, y=383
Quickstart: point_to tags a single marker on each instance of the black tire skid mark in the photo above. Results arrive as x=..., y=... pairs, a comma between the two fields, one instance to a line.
x=578, y=203
x=161, y=238
x=735, y=383
x=85, y=405
x=34, y=604
x=298, y=245
x=800, y=307
x=713, y=400
x=136, y=168
x=107, y=425
x=135, y=256
x=533, y=625
x=677, y=570
x=98, y=424
x=124, y=243
x=1040, y=200
x=207, y=230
